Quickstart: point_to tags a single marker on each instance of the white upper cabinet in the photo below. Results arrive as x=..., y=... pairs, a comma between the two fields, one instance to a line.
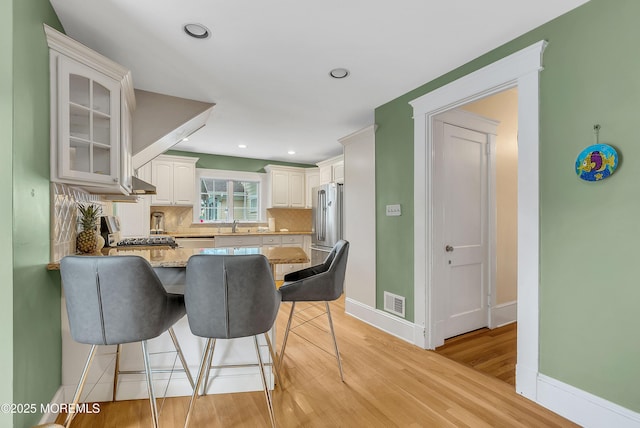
x=91, y=103
x=332, y=170
x=286, y=186
x=312, y=179
x=175, y=180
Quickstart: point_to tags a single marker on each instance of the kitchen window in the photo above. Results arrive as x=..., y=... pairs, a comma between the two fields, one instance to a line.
x=227, y=196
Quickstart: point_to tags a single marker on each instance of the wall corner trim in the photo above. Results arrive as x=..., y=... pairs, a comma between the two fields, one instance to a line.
x=582, y=407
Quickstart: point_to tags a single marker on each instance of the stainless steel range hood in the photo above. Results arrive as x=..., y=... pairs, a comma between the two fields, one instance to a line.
x=141, y=187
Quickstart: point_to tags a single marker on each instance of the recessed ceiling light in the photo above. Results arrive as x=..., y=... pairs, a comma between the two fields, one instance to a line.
x=197, y=31
x=291, y=152
x=242, y=146
x=339, y=73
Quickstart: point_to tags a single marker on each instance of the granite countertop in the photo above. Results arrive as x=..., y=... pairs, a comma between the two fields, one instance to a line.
x=178, y=257
x=239, y=233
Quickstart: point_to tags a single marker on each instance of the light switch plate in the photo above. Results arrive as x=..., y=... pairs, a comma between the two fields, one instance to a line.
x=394, y=210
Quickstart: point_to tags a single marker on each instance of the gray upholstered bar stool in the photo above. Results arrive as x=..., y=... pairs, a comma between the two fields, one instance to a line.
x=321, y=283
x=229, y=297
x=117, y=300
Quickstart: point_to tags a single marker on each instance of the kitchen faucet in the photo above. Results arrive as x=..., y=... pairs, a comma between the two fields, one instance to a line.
x=235, y=225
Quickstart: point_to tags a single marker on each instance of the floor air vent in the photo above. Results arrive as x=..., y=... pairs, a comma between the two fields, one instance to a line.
x=394, y=304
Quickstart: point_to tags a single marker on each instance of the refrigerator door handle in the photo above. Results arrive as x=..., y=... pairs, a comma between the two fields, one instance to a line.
x=321, y=216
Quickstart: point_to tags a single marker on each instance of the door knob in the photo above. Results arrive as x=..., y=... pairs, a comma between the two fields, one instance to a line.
x=448, y=249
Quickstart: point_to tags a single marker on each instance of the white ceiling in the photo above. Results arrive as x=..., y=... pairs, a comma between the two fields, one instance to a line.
x=266, y=65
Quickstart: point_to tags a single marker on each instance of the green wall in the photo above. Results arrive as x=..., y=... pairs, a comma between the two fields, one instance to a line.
x=36, y=292
x=6, y=211
x=589, y=232
x=231, y=163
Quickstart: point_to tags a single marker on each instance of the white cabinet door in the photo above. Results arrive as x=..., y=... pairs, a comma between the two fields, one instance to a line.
x=134, y=218
x=332, y=170
x=312, y=180
x=91, y=98
x=184, y=183
x=286, y=187
x=338, y=172
x=162, y=178
x=175, y=180
x=279, y=189
x=88, y=111
x=325, y=174
x=296, y=190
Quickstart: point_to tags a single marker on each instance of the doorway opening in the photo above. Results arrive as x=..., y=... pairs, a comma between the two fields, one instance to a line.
x=475, y=204
x=520, y=69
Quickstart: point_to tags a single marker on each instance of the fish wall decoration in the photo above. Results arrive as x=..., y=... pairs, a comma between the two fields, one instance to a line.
x=596, y=162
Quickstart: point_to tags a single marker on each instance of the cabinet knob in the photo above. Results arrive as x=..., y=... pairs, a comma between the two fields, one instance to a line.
x=115, y=180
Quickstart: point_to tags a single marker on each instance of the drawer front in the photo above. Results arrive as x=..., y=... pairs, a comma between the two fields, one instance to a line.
x=272, y=240
x=237, y=241
x=292, y=239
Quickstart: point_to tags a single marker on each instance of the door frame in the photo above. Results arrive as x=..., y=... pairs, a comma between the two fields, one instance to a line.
x=474, y=122
x=522, y=70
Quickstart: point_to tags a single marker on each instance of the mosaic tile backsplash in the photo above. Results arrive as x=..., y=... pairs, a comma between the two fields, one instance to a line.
x=64, y=217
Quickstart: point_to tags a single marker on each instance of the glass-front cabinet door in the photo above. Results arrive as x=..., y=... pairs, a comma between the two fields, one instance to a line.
x=89, y=124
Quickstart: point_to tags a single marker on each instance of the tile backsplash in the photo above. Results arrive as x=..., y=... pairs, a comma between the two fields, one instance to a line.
x=180, y=219
x=293, y=219
x=64, y=217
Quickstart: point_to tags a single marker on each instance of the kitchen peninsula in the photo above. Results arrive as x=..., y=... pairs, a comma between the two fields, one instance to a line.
x=170, y=265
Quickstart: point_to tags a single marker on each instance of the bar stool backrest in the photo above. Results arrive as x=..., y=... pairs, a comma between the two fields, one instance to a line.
x=230, y=296
x=115, y=300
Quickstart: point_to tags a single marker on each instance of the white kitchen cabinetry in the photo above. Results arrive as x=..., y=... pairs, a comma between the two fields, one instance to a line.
x=332, y=170
x=292, y=241
x=237, y=241
x=286, y=186
x=312, y=179
x=175, y=180
x=91, y=103
x=234, y=241
x=134, y=217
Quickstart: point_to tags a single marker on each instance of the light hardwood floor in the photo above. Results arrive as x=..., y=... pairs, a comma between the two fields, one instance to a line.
x=490, y=351
x=388, y=383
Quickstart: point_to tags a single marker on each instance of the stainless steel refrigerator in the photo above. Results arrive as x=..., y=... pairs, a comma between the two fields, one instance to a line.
x=327, y=220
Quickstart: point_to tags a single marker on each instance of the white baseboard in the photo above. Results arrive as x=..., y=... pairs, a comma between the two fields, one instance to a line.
x=503, y=314
x=583, y=408
x=49, y=418
x=381, y=320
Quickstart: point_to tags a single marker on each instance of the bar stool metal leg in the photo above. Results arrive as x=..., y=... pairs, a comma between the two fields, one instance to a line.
x=286, y=333
x=183, y=361
x=203, y=369
x=335, y=343
x=83, y=379
x=116, y=372
x=152, y=395
x=274, y=360
x=209, y=363
x=267, y=393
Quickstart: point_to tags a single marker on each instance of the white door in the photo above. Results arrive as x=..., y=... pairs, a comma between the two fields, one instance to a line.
x=461, y=250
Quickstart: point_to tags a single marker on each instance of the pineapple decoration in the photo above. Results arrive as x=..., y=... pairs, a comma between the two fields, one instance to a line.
x=86, y=240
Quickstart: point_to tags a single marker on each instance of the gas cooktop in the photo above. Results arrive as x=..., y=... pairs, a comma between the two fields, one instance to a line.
x=150, y=241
